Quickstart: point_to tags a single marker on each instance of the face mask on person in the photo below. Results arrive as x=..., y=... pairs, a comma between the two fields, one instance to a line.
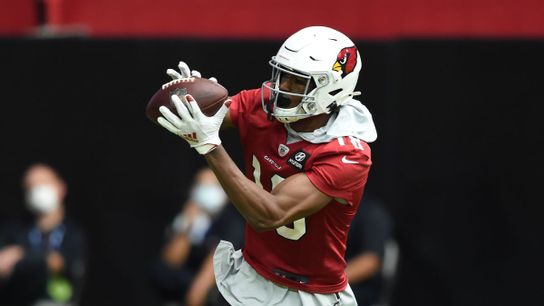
x=209, y=197
x=42, y=199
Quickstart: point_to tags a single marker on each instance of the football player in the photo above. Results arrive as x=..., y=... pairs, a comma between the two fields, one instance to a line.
x=307, y=161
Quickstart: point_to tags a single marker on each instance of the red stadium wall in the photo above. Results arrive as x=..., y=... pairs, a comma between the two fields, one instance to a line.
x=17, y=16
x=253, y=19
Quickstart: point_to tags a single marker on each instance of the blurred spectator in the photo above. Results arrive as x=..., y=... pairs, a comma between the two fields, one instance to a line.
x=369, y=236
x=183, y=274
x=42, y=262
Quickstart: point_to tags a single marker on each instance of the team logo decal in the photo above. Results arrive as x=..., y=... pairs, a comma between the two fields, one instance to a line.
x=346, y=61
x=298, y=159
x=283, y=150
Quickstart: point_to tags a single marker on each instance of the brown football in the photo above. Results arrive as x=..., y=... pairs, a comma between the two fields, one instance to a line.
x=209, y=95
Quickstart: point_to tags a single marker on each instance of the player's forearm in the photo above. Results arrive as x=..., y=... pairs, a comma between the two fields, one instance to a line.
x=227, y=122
x=255, y=204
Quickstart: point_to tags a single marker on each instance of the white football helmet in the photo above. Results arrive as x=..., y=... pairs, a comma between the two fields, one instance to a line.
x=330, y=63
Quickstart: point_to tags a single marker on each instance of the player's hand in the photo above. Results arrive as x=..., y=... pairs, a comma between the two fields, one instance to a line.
x=185, y=72
x=199, y=130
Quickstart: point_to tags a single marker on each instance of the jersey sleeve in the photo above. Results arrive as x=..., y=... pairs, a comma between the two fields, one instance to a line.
x=236, y=107
x=342, y=174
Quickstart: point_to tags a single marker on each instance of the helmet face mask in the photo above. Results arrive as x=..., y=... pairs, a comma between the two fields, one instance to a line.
x=328, y=62
x=279, y=98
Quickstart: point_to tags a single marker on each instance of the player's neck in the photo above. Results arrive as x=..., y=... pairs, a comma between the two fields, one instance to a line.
x=310, y=124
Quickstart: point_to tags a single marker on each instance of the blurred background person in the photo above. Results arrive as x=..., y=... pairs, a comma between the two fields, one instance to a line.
x=369, y=235
x=42, y=262
x=183, y=273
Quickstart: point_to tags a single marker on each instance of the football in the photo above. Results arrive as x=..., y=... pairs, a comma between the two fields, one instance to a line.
x=209, y=95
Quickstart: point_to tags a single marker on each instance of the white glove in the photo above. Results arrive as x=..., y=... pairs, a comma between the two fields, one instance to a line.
x=199, y=130
x=185, y=72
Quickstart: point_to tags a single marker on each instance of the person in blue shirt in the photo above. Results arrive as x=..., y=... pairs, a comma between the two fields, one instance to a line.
x=44, y=259
x=370, y=231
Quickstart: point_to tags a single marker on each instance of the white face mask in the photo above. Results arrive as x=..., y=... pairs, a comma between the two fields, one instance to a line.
x=42, y=199
x=209, y=197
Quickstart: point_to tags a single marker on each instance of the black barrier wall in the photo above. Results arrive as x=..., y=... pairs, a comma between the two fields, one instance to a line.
x=455, y=158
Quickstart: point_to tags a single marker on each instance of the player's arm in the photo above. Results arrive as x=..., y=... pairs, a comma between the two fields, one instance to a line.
x=294, y=198
x=227, y=121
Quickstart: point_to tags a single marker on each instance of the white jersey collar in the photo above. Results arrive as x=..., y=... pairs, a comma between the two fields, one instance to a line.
x=352, y=119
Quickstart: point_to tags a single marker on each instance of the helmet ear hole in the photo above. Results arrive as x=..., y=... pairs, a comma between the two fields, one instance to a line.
x=334, y=92
x=312, y=85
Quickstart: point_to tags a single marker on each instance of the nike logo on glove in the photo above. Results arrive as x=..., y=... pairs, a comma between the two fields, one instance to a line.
x=347, y=161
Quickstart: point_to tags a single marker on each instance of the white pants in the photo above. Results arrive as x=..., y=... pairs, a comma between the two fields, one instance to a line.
x=241, y=285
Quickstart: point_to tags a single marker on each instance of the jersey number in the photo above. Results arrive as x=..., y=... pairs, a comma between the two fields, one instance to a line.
x=299, y=226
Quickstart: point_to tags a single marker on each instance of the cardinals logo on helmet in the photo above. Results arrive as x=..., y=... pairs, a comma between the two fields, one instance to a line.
x=346, y=60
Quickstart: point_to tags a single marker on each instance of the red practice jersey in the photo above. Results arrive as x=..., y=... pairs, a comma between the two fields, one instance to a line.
x=308, y=254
